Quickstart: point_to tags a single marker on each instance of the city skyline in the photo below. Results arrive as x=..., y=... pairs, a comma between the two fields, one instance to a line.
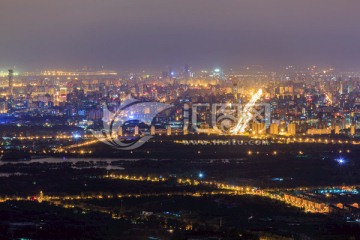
x=179, y=120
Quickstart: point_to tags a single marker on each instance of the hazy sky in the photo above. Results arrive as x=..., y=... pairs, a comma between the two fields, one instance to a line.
x=135, y=34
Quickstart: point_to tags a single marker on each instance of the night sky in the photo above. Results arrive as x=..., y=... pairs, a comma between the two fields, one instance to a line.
x=153, y=34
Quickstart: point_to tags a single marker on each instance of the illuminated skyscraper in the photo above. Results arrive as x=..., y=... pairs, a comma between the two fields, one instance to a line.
x=63, y=94
x=168, y=130
x=136, y=132
x=292, y=129
x=186, y=118
x=152, y=130
x=11, y=78
x=274, y=129
x=352, y=130
x=340, y=87
x=235, y=88
x=258, y=128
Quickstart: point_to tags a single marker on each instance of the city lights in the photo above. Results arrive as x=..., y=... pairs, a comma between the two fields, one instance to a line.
x=179, y=119
x=340, y=161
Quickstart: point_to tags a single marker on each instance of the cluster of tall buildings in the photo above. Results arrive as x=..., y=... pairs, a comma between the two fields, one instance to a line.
x=302, y=101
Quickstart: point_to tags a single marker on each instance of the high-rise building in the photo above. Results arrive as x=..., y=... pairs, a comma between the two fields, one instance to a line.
x=186, y=118
x=168, y=130
x=292, y=129
x=141, y=89
x=235, y=88
x=3, y=107
x=340, y=86
x=258, y=128
x=152, y=130
x=11, y=84
x=274, y=129
x=352, y=130
x=136, y=132
x=63, y=94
